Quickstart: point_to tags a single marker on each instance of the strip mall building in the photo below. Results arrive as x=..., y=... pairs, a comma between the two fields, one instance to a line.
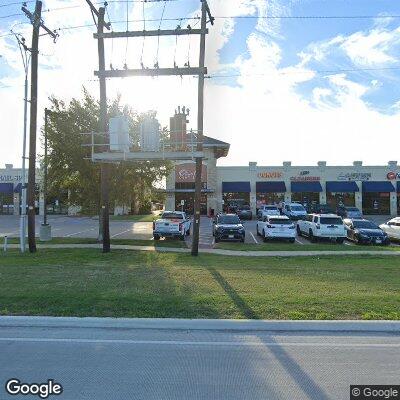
x=373, y=189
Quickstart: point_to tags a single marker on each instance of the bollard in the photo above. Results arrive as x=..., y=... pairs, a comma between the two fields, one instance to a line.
x=5, y=243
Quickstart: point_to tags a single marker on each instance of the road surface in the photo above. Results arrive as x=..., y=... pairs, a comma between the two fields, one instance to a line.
x=155, y=364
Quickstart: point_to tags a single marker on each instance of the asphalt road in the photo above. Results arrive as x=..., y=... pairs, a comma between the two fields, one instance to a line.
x=126, y=363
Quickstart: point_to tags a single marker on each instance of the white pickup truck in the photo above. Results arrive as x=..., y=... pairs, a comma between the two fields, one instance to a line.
x=172, y=224
x=318, y=226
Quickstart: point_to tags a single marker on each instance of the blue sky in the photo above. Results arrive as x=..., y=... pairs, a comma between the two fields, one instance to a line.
x=298, y=79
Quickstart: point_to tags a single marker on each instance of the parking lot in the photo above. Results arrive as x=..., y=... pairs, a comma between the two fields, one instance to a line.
x=87, y=227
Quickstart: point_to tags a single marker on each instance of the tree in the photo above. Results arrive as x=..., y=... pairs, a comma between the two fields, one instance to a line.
x=71, y=169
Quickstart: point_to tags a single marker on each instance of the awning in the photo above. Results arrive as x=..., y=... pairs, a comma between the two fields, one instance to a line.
x=398, y=186
x=342, y=187
x=18, y=188
x=375, y=187
x=236, y=187
x=305, y=187
x=271, y=187
x=6, y=188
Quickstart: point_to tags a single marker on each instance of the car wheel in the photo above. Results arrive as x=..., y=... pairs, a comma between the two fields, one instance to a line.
x=311, y=236
x=298, y=230
x=258, y=232
x=340, y=240
x=156, y=237
x=182, y=237
x=264, y=238
x=292, y=240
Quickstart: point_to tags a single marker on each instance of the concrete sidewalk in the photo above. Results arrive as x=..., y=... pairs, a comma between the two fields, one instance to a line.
x=236, y=253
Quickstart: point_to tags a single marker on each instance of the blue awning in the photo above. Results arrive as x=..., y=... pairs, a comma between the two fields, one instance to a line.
x=398, y=186
x=306, y=187
x=375, y=187
x=236, y=187
x=342, y=187
x=18, y=188
x=271, y=187
x=6, y=188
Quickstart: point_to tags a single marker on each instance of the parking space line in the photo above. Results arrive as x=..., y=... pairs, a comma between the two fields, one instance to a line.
x=251, y=233
x=298, y=241
x=77, y=233
x=121, y=233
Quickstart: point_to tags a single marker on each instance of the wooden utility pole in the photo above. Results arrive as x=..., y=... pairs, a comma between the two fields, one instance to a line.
x=104, y=223
x=200, y=118
x=37, y=23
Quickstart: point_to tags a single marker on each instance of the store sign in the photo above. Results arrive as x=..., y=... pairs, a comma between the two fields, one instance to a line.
x=270, y=175
x=10, y=178
x=305, y=178
x=354, y=176
x=393, y=175
x=187, y=173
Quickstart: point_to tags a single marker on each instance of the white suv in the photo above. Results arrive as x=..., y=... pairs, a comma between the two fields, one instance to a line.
x=276, y=227
x=294, y=211
x=318, y=226
x=269, y=209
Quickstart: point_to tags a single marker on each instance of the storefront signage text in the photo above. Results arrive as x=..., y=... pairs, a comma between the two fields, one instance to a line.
x=354, y=176
x=10, y=178
x=270, y=175
x=393, y=175
x=187, y=173
x=305, y=178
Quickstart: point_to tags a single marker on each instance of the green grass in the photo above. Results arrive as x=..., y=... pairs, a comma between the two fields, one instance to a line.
x=134, y=218
x=132, y=242
x=85, y=282
x=284, y=246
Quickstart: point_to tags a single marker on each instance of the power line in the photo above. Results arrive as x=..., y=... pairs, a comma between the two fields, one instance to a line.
x=310, y=16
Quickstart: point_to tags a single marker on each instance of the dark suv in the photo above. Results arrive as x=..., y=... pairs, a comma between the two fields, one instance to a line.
x=244, y=212
x=320, y=209
x=228, y=227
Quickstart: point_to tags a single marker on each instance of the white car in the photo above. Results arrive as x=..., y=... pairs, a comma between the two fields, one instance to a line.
x=318, y=226
x=276, y=227
x=172, y=224
x=392, y=228
x=269, y=209
x=294, y=211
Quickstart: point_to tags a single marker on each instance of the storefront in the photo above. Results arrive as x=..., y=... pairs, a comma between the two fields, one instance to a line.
x=341, y=193
x=235, y=194
x=306, y=193
x=398, y=198
x=6, y=198
x=376, y=197
x=270, y=192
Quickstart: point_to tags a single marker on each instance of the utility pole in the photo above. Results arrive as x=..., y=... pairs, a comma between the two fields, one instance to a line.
x=104, y=216
x=200, y=118
x=25, y=60
x=37, y=23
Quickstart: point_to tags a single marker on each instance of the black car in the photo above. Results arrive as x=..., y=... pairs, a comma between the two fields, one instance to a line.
x=228, y=227
x=320, y=209
x=363, y=231
x=349, y=212
x=244, y=212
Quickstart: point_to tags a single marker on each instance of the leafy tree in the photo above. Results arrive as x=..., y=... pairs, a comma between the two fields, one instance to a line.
x=71, y=169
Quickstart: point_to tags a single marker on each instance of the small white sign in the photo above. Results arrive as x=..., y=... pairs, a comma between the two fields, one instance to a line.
x=182, y=202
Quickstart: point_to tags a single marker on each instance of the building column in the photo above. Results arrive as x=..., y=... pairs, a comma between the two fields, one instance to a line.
x=322, y=174
x=393, y=204
x=170, y=202
x=358, y=196
x=16, y=198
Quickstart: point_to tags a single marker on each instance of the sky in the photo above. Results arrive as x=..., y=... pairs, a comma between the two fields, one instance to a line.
x=288, y=80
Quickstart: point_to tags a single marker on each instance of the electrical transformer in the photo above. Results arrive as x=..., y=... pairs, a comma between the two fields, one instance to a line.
x=150, y=134
x=119, y=134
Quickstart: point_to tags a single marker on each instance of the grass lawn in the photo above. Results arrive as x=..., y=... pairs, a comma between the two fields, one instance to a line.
x=85, y=282
x=284, y=246
x=133, y=242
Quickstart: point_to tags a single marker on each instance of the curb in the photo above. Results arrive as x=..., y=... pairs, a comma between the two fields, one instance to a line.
x=202, y=324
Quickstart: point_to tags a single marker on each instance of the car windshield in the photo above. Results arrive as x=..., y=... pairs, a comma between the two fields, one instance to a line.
x=331, y=221
x=244, y=208
x=270, y=208
x=278, y=221
x=364, y=225
x=171, y=215
x=352, y=209
x=228, y=219
x=297, y=208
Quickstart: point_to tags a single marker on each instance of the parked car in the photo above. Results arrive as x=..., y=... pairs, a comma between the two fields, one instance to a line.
x=294, y=211
x=316, y=208
x=363, y=231
x=268, y=209
x=172, y=224
x=276, y=227
x=228, y=227
x=392, y=228
x=349, y=212
x=318, y=226
x=244, y=212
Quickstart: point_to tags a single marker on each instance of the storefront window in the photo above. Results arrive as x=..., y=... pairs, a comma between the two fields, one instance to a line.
x=233, y=200
x=269, y=198
x=376, y=203
x=306, y=198
x=6, y=203
x=340, y=199
x=188, y=206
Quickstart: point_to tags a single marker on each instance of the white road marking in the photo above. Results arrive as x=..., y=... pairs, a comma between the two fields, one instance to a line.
x=77, y=233
x=121, y=233
x=298, y=241
x=347, y=244
x=251, y=233
x=196, y=343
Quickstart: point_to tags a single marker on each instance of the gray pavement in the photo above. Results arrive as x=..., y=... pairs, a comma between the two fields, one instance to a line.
x=127, y=362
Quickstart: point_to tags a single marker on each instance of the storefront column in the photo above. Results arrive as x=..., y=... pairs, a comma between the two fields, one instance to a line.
x=253, y=197
x=16, y=203
x=358, y=196
x=322, y=174
x=288, y=196
x=170, y=202
x=393, y=204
